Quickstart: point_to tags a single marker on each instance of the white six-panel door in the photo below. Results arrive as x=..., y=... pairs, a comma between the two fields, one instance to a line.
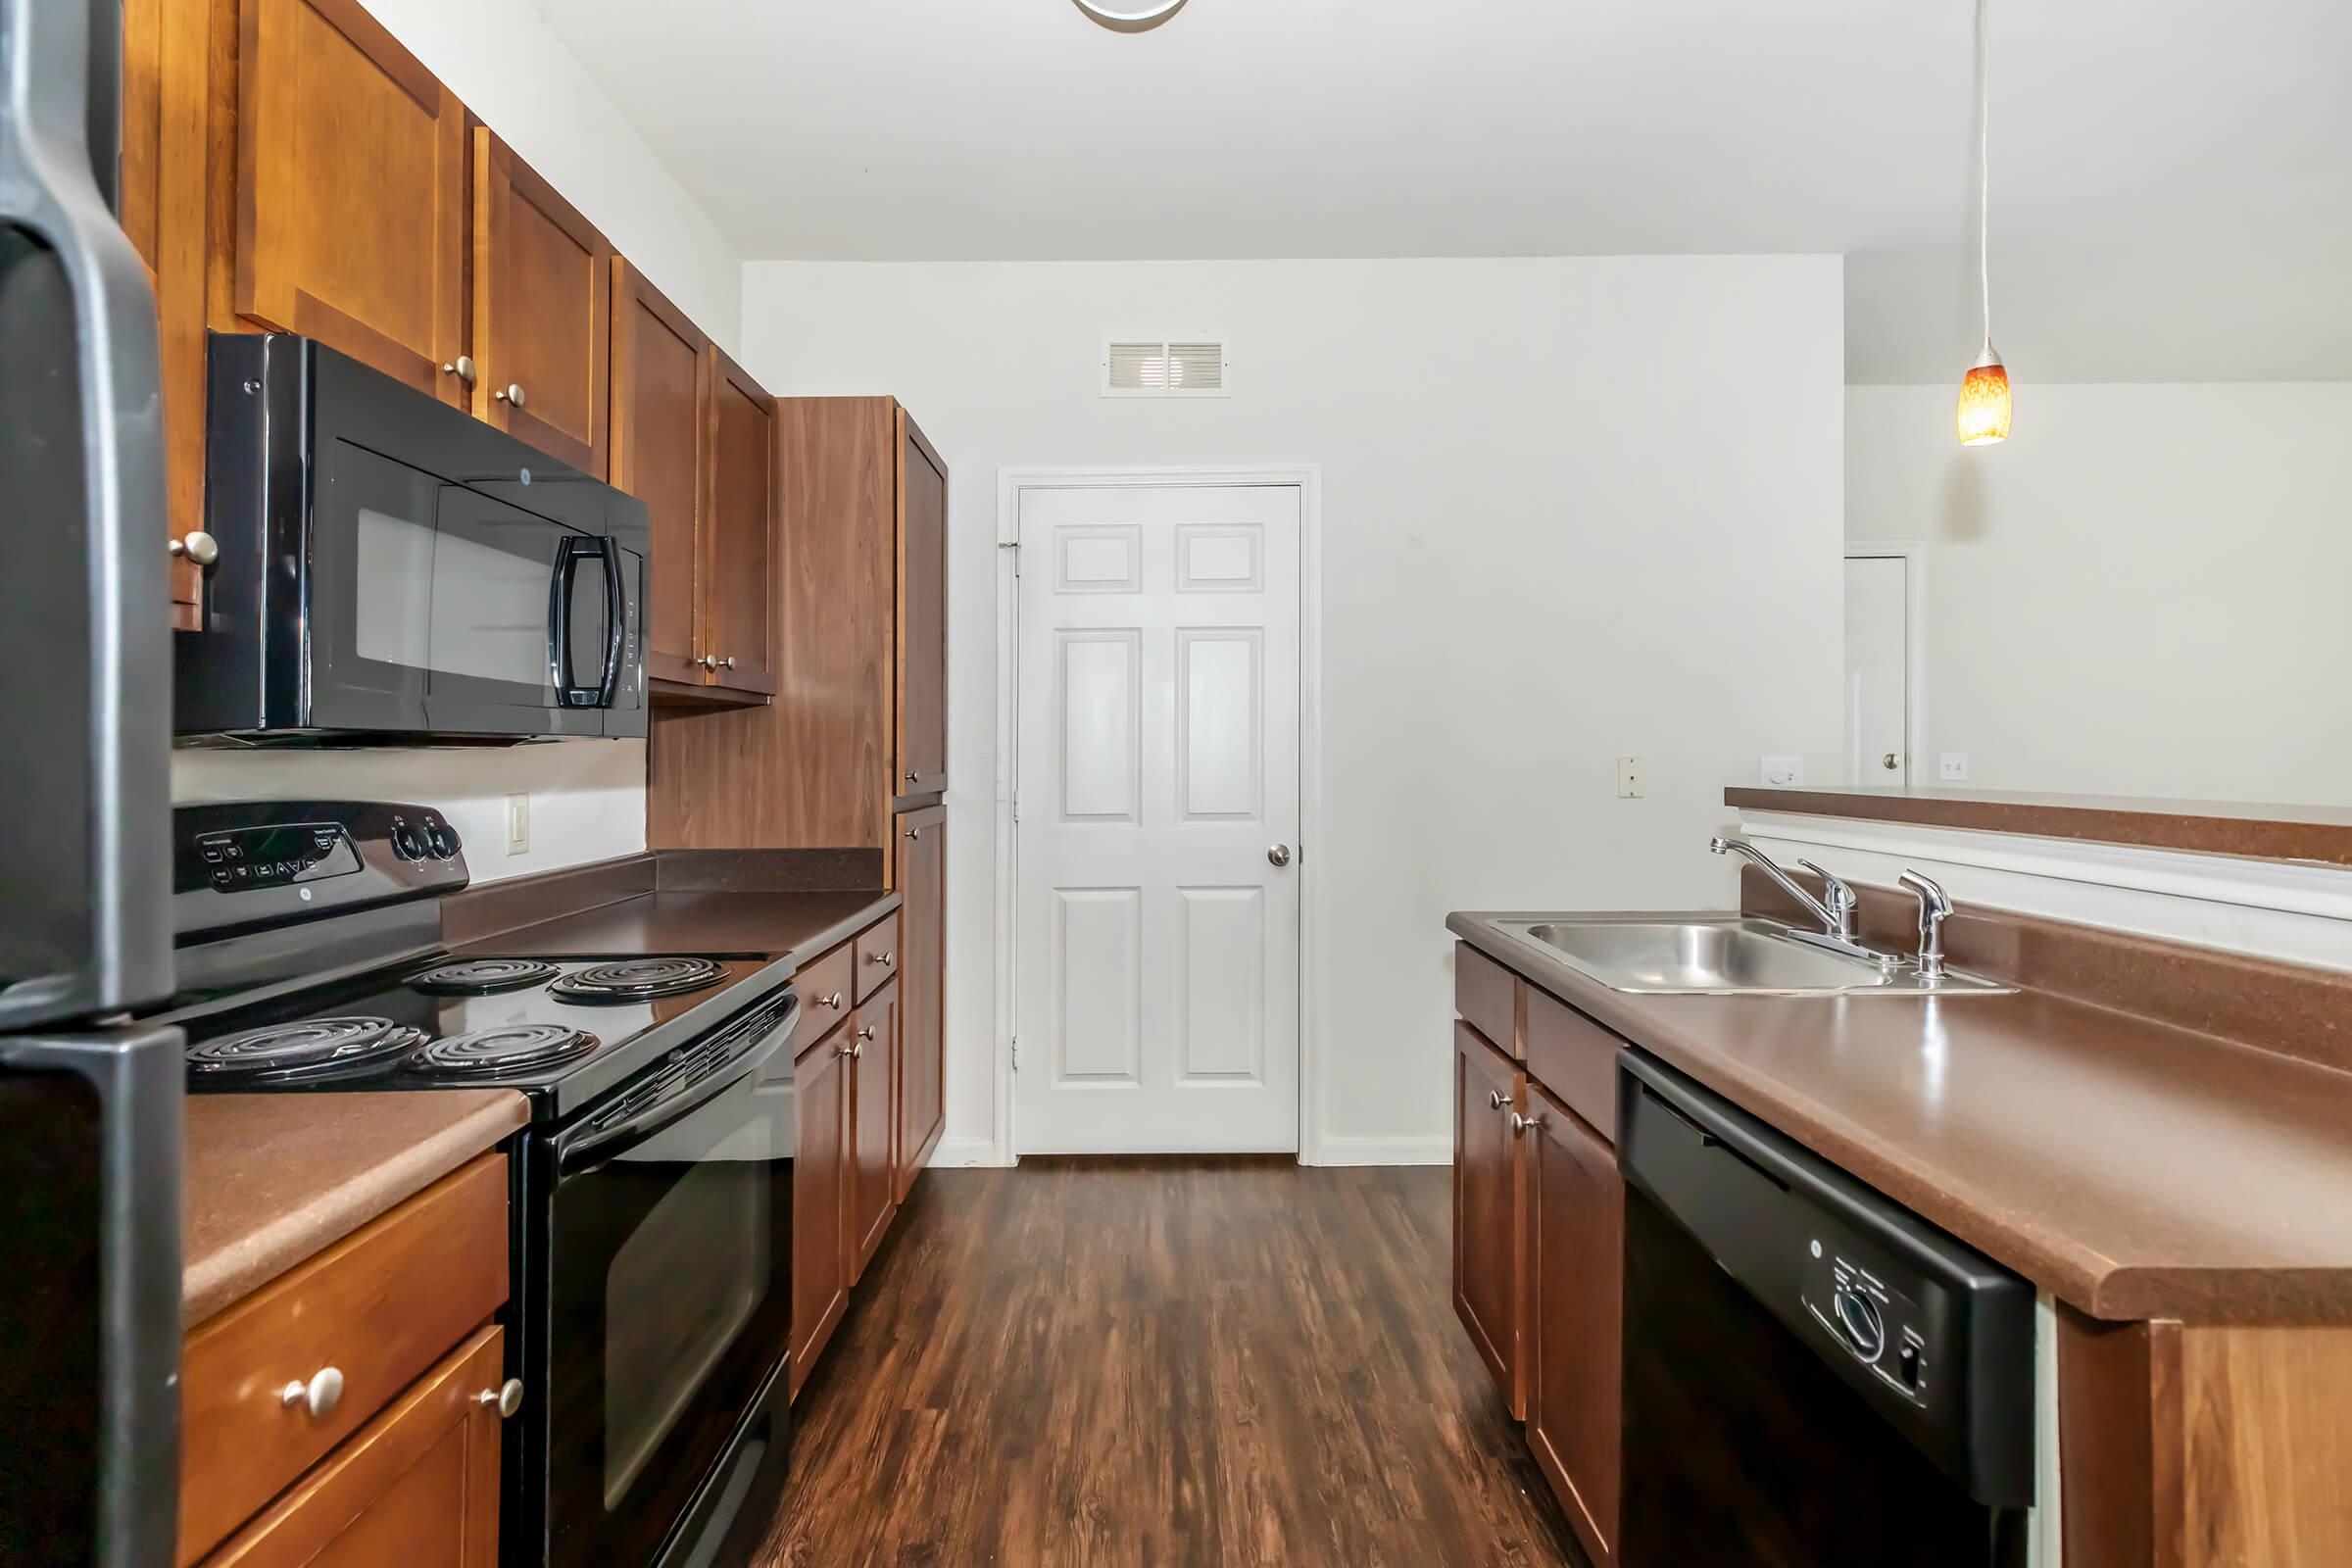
x=1158, y=956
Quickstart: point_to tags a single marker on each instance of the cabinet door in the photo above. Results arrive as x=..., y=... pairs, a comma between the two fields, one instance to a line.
x=820, y=1274
x=350, y=168
x=923, y=695
x=739, y=538
x=1489, y=1207
x=1576, y=1272
x=417, y=1485
x=873, y=1057
x=542, y=311
x=661, y=390
x=923, y=855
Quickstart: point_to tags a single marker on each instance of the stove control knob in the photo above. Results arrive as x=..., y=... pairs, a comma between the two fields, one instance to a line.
x=439, y=839
x=1859, y=1321
x=405, y=845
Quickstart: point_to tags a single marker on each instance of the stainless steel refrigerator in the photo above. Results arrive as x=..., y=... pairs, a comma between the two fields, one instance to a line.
x=89, y=1104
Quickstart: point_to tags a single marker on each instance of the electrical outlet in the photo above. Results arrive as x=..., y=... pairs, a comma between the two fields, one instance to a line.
x=1952, y=768
x=1783, y=772
x=519, y=824
x=1630, y=779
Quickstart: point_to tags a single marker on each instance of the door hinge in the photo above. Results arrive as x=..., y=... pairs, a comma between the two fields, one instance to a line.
x=1014, y=545
x=1016, y=1053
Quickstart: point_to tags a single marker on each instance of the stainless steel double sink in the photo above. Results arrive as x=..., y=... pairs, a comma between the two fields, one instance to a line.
x=1734, y=956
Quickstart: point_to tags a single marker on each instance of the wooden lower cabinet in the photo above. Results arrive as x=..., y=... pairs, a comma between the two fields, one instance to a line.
x=1575, y=1279
x=873, y=1165
x=922, y=853
x=820, y=1256
x=417, y=1485
x=1489, y=1208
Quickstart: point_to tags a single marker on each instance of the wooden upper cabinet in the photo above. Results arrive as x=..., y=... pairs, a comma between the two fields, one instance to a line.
x=350, y=209
x=922, y=615
x=660, y=387
x=1575, y=1287
x=542, y=311
x=739, y=534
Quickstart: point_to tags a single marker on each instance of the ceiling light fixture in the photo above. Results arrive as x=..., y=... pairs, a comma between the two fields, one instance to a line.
x=1131, y=16
x=1985, y=404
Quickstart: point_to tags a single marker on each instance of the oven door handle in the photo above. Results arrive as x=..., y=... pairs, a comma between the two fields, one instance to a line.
x=598, y=1145
x=570, y=551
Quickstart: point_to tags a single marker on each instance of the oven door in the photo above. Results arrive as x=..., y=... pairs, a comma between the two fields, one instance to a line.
x=436, y=606
x=669, y=1291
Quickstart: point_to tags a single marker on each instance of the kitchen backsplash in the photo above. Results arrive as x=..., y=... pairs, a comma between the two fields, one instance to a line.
x=587, y=797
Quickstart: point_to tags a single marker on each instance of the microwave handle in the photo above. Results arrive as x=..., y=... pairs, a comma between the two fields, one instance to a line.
x=570, y=551
x=615, y=620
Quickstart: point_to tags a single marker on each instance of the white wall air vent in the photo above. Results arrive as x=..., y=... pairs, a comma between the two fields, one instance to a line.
x=1162, y=368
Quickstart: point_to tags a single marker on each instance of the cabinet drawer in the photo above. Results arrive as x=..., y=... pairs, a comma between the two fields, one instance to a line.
x=826, y=995
x=1575, y=1058
x=878, y=955
x=379, y=1309
x=1487, y=996
x=418, y=1486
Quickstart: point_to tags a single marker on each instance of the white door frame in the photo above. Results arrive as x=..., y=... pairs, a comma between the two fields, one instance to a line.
x=1913, y=552
x=1011, y=482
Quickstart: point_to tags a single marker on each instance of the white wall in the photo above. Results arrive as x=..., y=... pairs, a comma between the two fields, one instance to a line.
x=2140, y=592
x=1572, y=509
x=587, y=797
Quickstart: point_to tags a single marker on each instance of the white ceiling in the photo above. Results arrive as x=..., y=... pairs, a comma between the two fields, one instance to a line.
x=2172, y=178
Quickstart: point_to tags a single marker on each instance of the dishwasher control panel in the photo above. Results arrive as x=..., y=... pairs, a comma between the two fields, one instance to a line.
x=1876, y=1322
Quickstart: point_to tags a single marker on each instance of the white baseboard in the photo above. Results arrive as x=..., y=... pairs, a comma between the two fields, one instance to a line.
x=1353, y=1150
x=966, y=1152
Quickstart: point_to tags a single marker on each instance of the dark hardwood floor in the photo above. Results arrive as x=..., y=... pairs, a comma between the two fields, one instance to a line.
x=1162, y=1363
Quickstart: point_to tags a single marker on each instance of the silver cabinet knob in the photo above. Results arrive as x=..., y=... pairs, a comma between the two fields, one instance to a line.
x=914, y=832
x=833, y=1002
x=510, y=395
x=1520, y=1124
x=1891, y=761
x=914, y=777
x=1496, y=1098
x=708, y=661
x=507, y=1397
x=1279, y=855
x=196, y=546
x=320, y=1393
x=727, y=662
x=883, y=958
x=462, y=367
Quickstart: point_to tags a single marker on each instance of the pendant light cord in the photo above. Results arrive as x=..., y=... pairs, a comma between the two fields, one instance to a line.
x=1985, y=165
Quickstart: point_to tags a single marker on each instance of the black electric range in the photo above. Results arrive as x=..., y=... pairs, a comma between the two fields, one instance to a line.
x=652, y=1204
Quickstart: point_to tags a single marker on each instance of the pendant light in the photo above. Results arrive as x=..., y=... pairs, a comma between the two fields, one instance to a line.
x=1131, y=16
x=1985, y=405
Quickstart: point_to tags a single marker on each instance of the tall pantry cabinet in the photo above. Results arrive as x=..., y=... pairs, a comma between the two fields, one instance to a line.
x=852, y=754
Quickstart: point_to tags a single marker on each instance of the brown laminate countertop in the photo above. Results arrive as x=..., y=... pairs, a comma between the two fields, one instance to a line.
x=802, y=924
x=2132, y=1168
x=2319, y=834
x=273, y=1179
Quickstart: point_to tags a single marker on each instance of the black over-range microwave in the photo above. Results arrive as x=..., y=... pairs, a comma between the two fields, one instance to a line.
x=389, y=567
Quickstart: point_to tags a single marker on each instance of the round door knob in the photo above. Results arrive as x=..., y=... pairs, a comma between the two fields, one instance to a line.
x=510, y=395
x=1891, y=761
x=833, y=1002
x=1496, y=1098
x=507, y=1397
x=321, y=1392
x=462, y=367
x=196, y=546
x=1279, y=855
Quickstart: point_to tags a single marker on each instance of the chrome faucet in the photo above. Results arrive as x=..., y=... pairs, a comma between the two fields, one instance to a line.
x=1934, y=907
x=1834, y=911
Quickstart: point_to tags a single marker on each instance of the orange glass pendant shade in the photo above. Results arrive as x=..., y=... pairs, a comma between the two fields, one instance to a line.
x=1984, y=402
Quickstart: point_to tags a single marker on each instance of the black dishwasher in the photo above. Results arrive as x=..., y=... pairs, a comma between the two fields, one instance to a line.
x=1814, y=1375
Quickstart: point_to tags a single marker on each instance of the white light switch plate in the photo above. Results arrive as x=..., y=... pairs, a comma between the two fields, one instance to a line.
x=1782, y=772
x=1952, y=768
x=519, y=824
x=1630, y=779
